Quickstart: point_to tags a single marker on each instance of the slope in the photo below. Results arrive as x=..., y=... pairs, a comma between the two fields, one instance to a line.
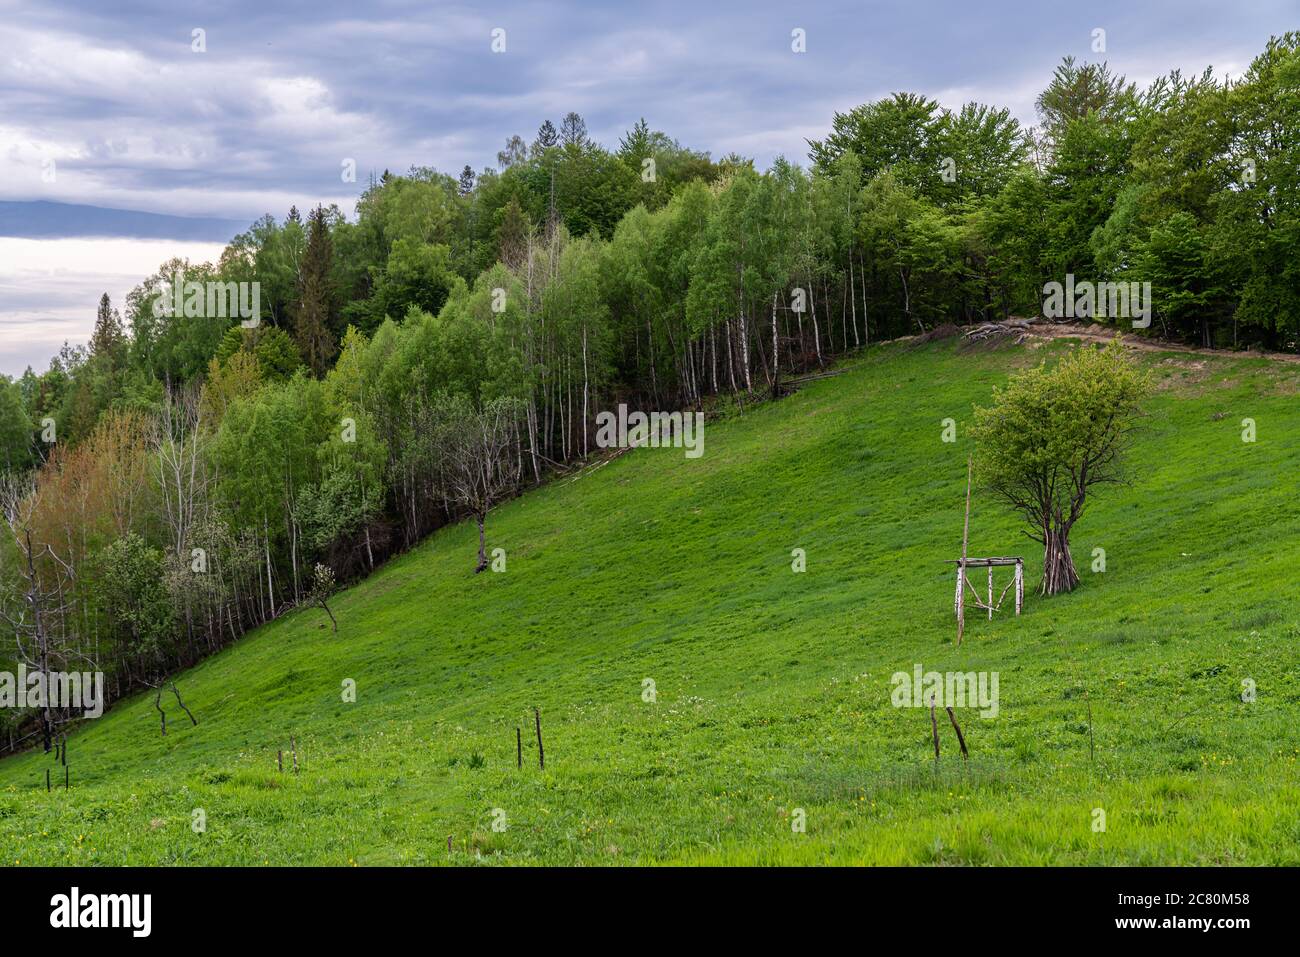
x=771, y=688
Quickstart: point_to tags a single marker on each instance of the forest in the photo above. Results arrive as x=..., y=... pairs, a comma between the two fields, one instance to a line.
x=184, y=478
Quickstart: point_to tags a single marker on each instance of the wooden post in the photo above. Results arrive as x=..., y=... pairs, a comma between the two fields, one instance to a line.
x=990, y=592
x=293, y=745
x=47, y=780
x=1020, y=584
x=519, y=747
x=279, y=760
x=960, y=740
x=541, y=755
x=177, y=693
x=961, y=565
x=934, y=730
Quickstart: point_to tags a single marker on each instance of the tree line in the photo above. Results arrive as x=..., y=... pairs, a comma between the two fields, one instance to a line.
x=180, y=478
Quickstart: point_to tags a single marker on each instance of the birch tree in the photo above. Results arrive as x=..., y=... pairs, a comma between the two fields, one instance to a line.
x=476, y=442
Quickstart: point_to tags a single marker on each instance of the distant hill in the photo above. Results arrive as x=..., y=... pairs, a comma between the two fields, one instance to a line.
x=42, y=219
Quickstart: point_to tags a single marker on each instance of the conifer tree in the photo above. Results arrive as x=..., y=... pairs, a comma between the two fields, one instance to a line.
x=315, y=314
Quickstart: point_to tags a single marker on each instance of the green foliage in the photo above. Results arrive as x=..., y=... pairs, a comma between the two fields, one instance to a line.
x=917, y=142
x=350, y=490
x=901, y=134
x=266, y=450
x=912, y=215
x=315, y=318
x=136, y=600
x=418, y=275
x=1176, y=260
x=277, y=356
x=1052, y=433
x=1078, y=91
x=16, y=429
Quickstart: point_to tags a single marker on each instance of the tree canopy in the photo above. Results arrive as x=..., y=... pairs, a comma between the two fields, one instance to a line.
x=1053, y=434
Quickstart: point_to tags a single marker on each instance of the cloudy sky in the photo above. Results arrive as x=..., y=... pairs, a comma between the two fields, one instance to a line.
x=111, y=104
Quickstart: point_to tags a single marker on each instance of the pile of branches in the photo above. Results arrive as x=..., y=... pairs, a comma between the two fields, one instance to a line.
x=993, y=334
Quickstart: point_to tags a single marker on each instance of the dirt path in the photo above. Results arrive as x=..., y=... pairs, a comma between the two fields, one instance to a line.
x=1103, y=334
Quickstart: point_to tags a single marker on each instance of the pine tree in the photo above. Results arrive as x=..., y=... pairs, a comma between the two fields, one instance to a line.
x=109, y=335
x=466, y=184
x=636, y=144
x=315, y=314
x=546, y=138
x=512, y=234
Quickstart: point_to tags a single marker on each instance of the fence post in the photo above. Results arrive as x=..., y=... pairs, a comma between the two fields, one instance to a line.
x=541, y=755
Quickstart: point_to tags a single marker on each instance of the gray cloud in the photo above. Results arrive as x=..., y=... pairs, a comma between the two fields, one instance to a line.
x=265, y=117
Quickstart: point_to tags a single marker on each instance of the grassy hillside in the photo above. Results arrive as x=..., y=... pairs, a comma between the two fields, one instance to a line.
x=773, y=688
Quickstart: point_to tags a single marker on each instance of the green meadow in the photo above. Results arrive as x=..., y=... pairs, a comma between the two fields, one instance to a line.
x=769, y=736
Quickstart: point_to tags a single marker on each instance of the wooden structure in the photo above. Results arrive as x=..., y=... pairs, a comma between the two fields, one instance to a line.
x=963, y=563
x=1018, y=581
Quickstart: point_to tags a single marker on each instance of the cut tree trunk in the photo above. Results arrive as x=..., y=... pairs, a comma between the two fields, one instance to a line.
x=1058, y=567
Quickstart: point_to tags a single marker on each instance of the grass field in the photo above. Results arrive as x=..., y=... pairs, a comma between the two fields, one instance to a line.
x=773, y=687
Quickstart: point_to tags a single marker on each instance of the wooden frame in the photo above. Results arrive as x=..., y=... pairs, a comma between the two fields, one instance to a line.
x=959, y=601
x=963, y=563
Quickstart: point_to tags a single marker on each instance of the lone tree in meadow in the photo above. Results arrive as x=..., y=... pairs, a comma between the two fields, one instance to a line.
x=1054, y=433
x=323, y=585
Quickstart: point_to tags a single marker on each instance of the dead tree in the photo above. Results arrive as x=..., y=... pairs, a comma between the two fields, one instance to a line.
x=178, y=459
x=478, y=445
x=176, y=691
x=36, y=603
x=157, y=703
